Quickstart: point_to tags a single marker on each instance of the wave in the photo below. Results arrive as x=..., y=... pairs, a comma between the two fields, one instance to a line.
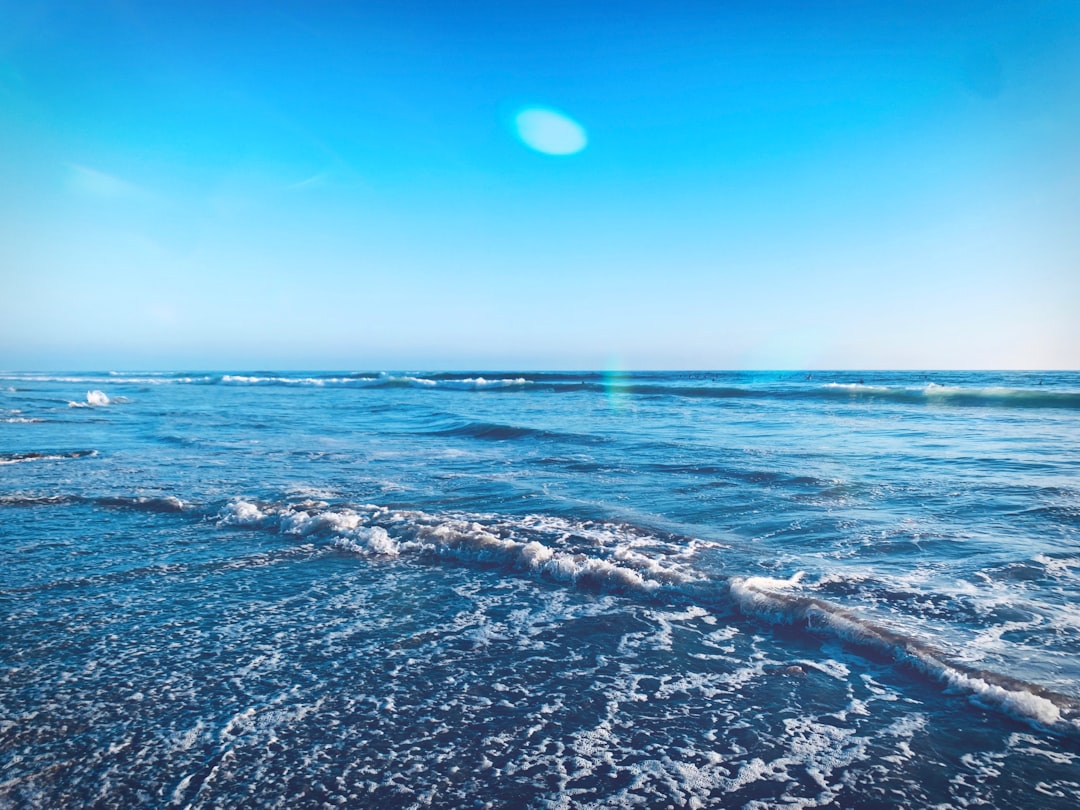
x=145, y=378
x=602, y=556
x=381, y=380
x=933, y=393
x=929, y=394
x=94, y=399
x=635, y=562
x=771, y=599
x=138, y=503
x=143, y=503
x=606, y=556
x=925, y=395
x=1062, y=393
x=357, y=380
x=33, y=455
x=493, y=431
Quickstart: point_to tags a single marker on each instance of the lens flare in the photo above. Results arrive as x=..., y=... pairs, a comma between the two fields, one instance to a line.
x=616, y=386
x=550, y=131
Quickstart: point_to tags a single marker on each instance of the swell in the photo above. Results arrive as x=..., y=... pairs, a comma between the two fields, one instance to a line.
x=494, y=431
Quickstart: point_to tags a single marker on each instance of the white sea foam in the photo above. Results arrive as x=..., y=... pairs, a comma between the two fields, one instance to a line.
x=94, y=399
x=606, y=557
x=612, y=558
x=1059, y=567
x=242, y=513
x=538, y=545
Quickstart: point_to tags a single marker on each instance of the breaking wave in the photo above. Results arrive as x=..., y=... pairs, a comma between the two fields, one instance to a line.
x=602, y=556
x=94, y=399
x=771, y=599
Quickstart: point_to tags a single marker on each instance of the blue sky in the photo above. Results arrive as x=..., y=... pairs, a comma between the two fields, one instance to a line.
x=344, y=185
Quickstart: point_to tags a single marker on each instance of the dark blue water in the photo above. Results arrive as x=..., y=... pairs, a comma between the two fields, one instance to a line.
x=258, y=589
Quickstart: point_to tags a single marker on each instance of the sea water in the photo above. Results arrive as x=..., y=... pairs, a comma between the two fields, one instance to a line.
x=553, y=590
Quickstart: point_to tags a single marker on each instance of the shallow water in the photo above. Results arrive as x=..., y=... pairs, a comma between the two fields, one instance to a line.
x=543, y=590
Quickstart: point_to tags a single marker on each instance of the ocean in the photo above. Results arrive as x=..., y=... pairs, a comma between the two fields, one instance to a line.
x=540, y=590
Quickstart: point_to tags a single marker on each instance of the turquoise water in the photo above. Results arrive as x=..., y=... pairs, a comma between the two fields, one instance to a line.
x=855, y=589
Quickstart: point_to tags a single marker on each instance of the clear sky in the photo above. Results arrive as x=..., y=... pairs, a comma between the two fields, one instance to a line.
x=367, y=185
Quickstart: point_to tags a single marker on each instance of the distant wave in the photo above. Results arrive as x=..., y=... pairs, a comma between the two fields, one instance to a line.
x=491, y=431
x=97, y=399
x=139, y=503
x=930, y=394
x=19, y=458
x=147, y=378
x=381, y=380
x=717, y=386
x=21, y=420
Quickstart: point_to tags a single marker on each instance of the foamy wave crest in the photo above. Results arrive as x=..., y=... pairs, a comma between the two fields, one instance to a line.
x=585, y=554
x=773, y=600
x=240, y=379
x=382, y=380
x=462, y=383
x=94, y=399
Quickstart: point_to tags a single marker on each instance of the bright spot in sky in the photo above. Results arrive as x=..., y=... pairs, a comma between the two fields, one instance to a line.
x=549, y=131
